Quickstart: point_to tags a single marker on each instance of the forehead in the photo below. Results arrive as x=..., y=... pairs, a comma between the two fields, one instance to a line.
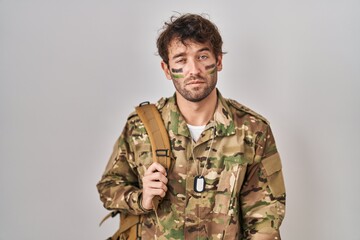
x=176, y=47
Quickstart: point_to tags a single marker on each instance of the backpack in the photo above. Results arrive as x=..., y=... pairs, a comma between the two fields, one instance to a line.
x=130, y=225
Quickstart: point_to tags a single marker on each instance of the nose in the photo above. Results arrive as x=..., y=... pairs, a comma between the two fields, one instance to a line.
x=194, y=67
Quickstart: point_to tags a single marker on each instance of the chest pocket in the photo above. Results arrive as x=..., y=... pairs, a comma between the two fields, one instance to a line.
x=230, y=181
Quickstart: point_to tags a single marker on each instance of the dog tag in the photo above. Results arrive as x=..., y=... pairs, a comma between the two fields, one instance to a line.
x=199, y=184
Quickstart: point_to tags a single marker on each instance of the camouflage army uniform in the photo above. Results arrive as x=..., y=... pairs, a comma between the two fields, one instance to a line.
x=244, y=196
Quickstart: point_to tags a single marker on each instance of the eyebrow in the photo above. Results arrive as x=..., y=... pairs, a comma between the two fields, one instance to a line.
x=204, y=49
x=183, y=53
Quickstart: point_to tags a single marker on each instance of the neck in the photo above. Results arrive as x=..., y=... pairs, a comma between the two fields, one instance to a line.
x=197, y=113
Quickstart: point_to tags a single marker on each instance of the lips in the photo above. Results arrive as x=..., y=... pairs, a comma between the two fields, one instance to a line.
x=195, y=80
x=191, y=82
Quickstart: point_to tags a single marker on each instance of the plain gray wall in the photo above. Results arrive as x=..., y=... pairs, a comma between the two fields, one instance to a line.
x=72, y=71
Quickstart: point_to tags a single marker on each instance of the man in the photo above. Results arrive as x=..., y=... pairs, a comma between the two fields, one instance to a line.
x=225, y=180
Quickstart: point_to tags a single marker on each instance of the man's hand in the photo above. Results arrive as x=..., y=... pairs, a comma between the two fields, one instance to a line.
x=154, y=183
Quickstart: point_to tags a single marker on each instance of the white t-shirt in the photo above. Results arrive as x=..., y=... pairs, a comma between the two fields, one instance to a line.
x=196, y=131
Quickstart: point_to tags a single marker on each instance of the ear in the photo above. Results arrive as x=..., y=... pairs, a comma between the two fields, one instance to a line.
x=165, y=68
x=219, y=63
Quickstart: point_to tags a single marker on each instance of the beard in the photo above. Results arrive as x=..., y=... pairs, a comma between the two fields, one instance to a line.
x=196, y=93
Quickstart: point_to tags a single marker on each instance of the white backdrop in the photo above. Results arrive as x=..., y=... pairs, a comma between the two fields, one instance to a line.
x=71, y=71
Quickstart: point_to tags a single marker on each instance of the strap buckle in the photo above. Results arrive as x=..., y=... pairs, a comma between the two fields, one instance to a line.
x=144, y=103
x=162, y=152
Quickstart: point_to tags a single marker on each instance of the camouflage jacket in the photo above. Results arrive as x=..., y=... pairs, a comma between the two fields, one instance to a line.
x=244, y=196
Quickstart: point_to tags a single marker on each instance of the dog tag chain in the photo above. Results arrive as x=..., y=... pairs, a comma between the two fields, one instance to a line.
x=199, y=180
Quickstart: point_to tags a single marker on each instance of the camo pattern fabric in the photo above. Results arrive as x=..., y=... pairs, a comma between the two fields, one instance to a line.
x=244, y=195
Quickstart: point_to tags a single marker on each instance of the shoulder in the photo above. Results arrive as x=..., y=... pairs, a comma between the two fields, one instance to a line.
x=241, y=110
x=134, y=117
x=161, y=103
x=135, y=130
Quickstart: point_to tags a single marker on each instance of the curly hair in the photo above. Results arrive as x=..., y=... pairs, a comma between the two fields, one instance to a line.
x=191, y=27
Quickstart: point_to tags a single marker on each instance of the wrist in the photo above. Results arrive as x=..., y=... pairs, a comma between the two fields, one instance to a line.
x=141, y=204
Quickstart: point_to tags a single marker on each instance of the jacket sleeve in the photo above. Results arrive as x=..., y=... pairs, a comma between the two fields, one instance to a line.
x=263, y=193
x=119, y=187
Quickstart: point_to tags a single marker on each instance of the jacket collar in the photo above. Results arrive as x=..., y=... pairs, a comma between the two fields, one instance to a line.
x=176, y=124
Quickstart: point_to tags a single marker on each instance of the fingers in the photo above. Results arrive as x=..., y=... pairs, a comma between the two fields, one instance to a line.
x=156, y=172
x=156, y=167
x=155, y=177
x=155, y=190
x=154, y=184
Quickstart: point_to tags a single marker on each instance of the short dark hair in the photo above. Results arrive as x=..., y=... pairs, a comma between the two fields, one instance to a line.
x=191, y=27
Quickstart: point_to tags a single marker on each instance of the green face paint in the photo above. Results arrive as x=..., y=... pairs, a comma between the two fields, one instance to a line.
x=177, y=76
x=212, y=68
x=175, y=73
x=213, y=71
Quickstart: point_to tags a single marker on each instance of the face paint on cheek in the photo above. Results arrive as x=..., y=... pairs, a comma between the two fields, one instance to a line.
x=177, y=76
x=179, y=70
x=211, y=69
x=175, y=73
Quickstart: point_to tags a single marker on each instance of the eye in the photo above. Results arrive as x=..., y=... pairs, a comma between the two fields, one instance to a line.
x=203, y=57
x=180, y=60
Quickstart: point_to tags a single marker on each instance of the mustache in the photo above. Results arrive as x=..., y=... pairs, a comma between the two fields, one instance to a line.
x=194, y=77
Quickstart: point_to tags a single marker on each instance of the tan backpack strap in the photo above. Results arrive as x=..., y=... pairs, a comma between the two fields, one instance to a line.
x=159, y=138
x=130, y=225
x=127, y=221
